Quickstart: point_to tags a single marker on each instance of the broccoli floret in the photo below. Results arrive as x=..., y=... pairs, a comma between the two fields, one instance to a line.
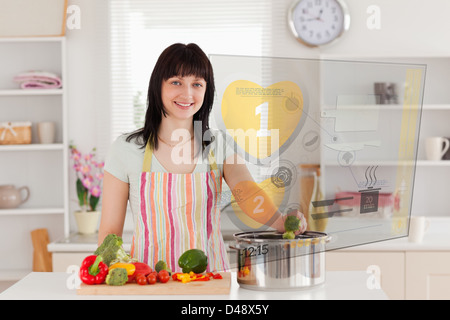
x=111, y=250
x=292, y=223
x=117, y=277
x=162, y=265
x=109, y=238
x=289, y=235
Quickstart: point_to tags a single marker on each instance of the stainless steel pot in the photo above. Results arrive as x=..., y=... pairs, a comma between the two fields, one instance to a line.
x=266, y=261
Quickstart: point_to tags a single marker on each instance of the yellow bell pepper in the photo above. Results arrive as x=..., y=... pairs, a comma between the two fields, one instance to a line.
x=131, y=268
x=184, y=277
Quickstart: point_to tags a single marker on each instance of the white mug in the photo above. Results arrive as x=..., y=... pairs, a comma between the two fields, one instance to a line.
x=434, y=149
x=46, y=132
x=418, y=226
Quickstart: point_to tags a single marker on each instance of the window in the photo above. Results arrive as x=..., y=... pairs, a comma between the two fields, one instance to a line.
x=141, y=30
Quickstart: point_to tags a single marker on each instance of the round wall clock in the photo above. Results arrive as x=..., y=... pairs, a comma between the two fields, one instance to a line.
x=318, y=22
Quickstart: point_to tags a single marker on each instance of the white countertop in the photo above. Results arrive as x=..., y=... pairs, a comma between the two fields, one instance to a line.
x=339, y=285
x=436, y=239
x=84, y=243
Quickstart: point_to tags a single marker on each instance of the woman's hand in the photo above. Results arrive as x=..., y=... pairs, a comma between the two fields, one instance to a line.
x=279, y=223
x=303, y=223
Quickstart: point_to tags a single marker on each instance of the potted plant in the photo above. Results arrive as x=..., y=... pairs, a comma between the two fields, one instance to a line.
x=89, y=175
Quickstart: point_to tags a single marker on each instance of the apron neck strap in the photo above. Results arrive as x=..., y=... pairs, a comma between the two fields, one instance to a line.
x=147, y=165
x=212, y=160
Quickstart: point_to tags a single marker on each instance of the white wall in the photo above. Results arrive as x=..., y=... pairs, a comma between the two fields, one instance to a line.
x=88, y=76
x=408, y=28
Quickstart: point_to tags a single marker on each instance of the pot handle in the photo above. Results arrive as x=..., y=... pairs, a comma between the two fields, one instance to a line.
x=328, y=239
x=234, y=247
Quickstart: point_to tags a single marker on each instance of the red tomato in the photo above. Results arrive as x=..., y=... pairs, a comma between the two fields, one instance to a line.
x=163, y=276
x=151, y=278
x=140, y=279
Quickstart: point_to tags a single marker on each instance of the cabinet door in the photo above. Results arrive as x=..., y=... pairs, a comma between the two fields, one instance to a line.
x=62, y=260
x=389, y=267
x=428, y=275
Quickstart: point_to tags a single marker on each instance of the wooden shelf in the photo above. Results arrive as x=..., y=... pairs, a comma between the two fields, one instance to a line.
x=386, y=107
x=419, y=163
x=31, y=39
x=31, y=211
x=31, y=92
x=32, y=147
x=436, y=107
x=428, y=163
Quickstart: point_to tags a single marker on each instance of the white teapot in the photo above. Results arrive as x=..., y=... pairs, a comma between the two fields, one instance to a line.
x=11, y=197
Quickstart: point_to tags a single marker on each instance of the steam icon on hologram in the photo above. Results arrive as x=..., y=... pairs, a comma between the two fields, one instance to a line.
x=369, y=196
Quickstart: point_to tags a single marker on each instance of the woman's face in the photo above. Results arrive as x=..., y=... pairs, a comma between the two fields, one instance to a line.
x=182, y=97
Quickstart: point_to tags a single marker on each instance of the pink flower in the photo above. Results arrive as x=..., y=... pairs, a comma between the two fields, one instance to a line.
x=85, y=169
x=90, y=172
x=76, y=157
x=87, y=182
x=96, y=191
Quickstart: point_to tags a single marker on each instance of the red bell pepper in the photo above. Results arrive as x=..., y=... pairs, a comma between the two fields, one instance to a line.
x=214, y=276
x=93, y=270
x=141, y=268
x=201, y=278
x=174, y=275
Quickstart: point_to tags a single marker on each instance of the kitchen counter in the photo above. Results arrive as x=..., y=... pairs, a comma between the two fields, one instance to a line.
x=437, y=238
x=84, y=243
x=340, y=285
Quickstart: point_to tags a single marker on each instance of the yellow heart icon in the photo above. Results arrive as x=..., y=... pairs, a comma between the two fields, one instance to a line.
x=261, y=120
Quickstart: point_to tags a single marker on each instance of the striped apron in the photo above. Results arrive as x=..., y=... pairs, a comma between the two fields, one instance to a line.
x=179, y=212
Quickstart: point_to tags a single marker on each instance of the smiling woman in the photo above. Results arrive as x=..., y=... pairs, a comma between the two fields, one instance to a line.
x=181, y=87
x=175, y=208
x=175, y=205
x=183, y=93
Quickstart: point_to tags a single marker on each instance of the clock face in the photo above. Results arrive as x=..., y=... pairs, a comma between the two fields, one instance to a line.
x=318, y=22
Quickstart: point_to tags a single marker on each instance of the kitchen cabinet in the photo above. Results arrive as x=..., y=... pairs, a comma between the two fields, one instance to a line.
x=386, y=269
x=428, y=276
x=62, y=261
x=406, y=270
x=43, y=168
x=410, y=275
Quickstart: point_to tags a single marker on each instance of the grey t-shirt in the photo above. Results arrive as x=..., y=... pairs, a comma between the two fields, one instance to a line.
x=125, y=159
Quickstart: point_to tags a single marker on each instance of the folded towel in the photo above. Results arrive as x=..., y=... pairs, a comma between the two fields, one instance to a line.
x=38, y=80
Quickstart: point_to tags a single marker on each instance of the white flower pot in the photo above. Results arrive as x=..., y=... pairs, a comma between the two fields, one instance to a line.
x=87, y=221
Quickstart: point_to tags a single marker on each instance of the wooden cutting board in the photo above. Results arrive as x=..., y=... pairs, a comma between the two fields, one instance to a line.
x=213, y=286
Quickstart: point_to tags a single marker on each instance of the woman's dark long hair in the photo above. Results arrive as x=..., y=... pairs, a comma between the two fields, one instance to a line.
x=176, y=60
